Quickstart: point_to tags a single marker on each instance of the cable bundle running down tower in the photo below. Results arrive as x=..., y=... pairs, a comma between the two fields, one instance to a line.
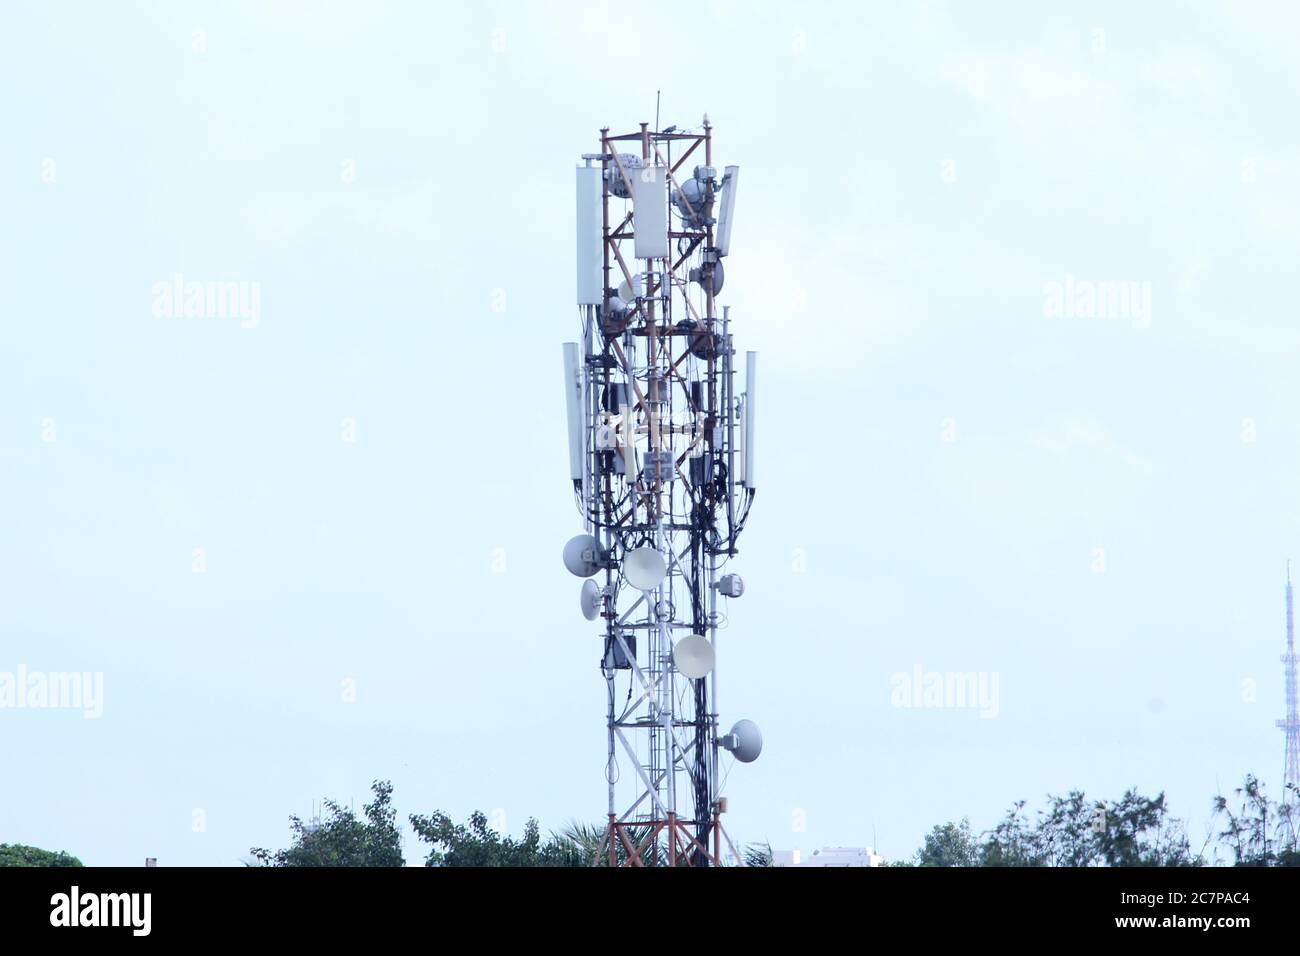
x=1291, y=724
x=661, y=454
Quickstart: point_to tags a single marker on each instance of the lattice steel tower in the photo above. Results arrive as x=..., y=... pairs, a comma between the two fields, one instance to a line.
x=661, y=458
x=1291, y=723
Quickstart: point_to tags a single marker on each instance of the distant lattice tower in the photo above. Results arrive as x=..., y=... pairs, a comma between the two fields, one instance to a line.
x=1291, y=723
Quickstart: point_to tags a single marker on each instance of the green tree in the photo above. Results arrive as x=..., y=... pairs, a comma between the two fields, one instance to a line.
x=1260, y=832
x=16, y=854
x=477, y=844
x=1138, y=831
x=1013, y=842
x=341, y=839
x=951, y=844
x=1071, y=831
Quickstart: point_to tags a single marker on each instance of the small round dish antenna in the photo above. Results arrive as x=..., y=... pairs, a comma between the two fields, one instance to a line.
x=591, y=600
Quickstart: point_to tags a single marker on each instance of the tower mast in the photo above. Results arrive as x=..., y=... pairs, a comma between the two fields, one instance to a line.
x=663, y=480
x=1291, y=724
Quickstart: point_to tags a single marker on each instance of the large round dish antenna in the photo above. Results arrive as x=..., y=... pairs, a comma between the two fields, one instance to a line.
x=644, y=568
x=582, y=555
x=745, y=741
x=694, y=656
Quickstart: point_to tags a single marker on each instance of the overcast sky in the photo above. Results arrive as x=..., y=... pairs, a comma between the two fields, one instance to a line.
x=318, y=543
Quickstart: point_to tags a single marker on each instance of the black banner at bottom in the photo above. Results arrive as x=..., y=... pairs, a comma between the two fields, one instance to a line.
x=495, y=905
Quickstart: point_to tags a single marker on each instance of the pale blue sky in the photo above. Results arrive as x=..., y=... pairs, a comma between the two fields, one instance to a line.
x=914, y=175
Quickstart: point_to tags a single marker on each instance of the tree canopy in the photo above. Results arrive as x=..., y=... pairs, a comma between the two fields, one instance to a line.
x=341, y=839
x=16, y=854
x=1071, y=830
x=1134, y=830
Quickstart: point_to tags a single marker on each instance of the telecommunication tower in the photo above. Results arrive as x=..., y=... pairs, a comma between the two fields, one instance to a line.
x=1291, y=723
x=661, y=455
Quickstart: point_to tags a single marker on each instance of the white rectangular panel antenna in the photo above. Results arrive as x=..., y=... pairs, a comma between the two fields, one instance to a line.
x=751, y=373
x=740, y=441
x=590, y=260
x=573, y=404
x=650, y=212
x=722, y=239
